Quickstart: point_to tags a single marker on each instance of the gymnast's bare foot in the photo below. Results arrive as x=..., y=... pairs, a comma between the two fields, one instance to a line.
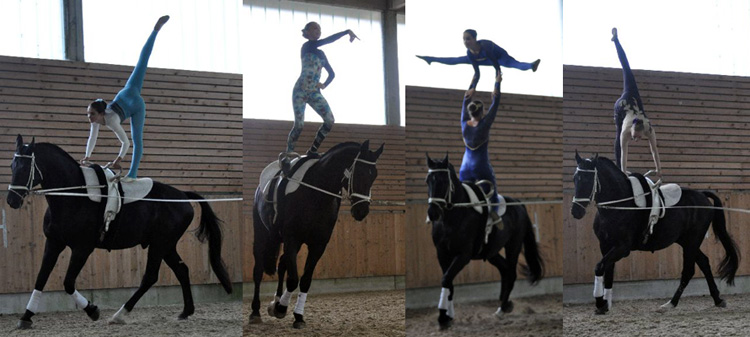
x=614, y=33
x=161, y=22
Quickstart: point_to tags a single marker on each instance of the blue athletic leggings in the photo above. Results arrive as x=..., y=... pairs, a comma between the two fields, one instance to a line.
x=320, y=105
x=133, y=105
x=630, y=96
x=503, y=59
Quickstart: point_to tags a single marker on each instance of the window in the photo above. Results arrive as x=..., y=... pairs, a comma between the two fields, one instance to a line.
x=32, y=28
x=402, y=55
x=201, y=35
x=272, y=40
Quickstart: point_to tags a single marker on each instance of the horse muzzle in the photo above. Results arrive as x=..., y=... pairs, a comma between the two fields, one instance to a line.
x=360, y=211
x=14, y=200
x=434, y=212
x=578, y=211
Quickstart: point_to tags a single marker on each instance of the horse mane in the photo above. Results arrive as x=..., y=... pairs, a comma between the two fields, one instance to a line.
x=337, y=148
x=54, y=147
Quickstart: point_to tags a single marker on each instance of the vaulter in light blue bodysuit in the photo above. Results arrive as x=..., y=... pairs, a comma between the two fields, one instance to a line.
x=475, y=129
x=307, y=88
x=485, y=53
x=127, y=104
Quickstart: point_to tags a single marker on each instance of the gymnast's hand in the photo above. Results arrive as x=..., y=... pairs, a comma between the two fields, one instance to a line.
x=352, y=36
x=114, y=164
x=85, y=161
x=469, y=93
x=320, y=86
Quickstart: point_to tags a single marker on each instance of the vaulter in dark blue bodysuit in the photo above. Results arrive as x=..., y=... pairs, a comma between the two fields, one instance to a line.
x=485, y=53
x=476, y=162
x=630, y=118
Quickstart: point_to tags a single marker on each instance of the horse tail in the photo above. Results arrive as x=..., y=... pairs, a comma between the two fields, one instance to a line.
x=210, y=228
x=730, y=263
x=535, y=269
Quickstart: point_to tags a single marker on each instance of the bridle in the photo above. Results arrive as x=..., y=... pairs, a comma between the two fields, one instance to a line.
x=349, y=174
x=594, y=189
x=32, y=175
x=446, y=201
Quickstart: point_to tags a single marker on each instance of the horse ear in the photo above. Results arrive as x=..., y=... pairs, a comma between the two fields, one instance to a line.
x=379, y=151
x=430, y=162
x=445, y=160
x=596, y=156
x=365, y=145
x=578, y=157
x=19, y=142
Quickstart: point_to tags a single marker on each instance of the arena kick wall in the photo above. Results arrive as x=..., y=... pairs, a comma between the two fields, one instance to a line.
x=371, y=248
x=701, y=124
x=192, y=141
x=525, y=151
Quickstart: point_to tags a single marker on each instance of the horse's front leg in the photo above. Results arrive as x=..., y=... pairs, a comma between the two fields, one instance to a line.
x=313, y=256
x=78, y=259
x=446, y=293
x=289, y=261
x=52, y=250
x=274, y=310
x=606, y=264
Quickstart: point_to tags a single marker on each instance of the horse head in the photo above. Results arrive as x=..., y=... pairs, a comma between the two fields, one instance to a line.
x=25, y=173
x=586, y=180
x=361, y=175
x=440, y=186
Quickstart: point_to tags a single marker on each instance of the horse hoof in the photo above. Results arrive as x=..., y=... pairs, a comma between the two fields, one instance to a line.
x=183, y=316
x=722, y=304
x=499, y=313
x=23, y=325
x=665, y=307
x=92, y=311
x=279, y=311
x=507, y=307
x=255, y=319
x=445, y=322
x=601, y=311
x=299, y=325
x=116, y=320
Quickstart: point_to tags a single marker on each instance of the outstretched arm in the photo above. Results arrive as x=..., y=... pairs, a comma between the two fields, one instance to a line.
x=654, y=151
x=335, y=37
x=91, y=143
x=487, y=120
x=475, y=65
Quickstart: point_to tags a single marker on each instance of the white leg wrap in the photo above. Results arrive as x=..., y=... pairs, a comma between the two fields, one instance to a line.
x=450, y=312
x=299, y=308
x=119, y=317
x=33, y=305
x=443, y=304
x=608, y=297
x=284, y=300
x=598, y=286
x=81, y=302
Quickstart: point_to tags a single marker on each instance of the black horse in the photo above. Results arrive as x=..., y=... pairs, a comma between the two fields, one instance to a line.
x=307, y=216
x=458, y=234
x=620, y=231
x=75, y=222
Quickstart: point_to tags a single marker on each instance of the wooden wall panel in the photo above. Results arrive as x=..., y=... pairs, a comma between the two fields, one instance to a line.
x=701, y=123
x=192, y=141
x=374, y=247
x=526, y=153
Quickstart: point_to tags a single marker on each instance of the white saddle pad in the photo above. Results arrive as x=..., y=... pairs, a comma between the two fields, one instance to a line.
x=671, y=192
x=292, y=186
x=474, y=199
x=134, y=190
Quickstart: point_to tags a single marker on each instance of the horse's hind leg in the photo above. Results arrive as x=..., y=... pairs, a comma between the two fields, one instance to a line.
x=52, y=250
x=149, y=279
x=313, y=256
x=257, y=278
x=78, y=259
x=180, y=270
x=702, y=261
x=275, y=309
x=689, y=254
x=506, y=285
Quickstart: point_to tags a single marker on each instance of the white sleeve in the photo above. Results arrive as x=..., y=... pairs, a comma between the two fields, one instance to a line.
x=113, y=124
x=93, y=135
